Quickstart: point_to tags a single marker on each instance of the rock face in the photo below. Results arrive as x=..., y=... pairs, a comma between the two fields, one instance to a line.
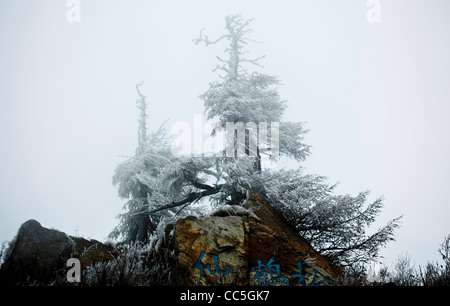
x=252, y=248
x=211, y=251
x=38, y=255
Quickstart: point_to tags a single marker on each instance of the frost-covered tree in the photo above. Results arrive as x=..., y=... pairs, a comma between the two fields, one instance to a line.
x=243, y=96
x=160, y=186
x=135, y=179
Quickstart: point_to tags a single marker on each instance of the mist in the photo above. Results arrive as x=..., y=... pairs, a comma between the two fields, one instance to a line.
x=374, y=92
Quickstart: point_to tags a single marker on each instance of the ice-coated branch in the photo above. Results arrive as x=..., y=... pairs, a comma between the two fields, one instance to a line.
x=237, y=29
x=204, y=38
x=255, y=61
x=193, y=196
x=142, y=132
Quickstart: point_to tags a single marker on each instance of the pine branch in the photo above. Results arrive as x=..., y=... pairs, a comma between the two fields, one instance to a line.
x=198, y=185
x=190, y=198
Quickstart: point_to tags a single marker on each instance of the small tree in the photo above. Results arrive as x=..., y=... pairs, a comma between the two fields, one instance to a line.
x=435, y=274
x=159, y=185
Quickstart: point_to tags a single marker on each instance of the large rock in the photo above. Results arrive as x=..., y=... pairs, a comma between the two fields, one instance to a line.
x=247, y=246
x=211, y=251
x=38, y=255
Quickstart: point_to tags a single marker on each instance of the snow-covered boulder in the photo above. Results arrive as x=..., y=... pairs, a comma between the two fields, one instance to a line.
x=38, y=255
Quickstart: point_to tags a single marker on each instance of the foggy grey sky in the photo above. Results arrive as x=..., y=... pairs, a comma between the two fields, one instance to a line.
x=375, y=96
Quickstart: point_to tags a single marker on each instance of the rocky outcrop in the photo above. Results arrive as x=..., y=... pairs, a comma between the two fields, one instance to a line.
x=237, y=245
x=249, y=245
x=38, y=255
